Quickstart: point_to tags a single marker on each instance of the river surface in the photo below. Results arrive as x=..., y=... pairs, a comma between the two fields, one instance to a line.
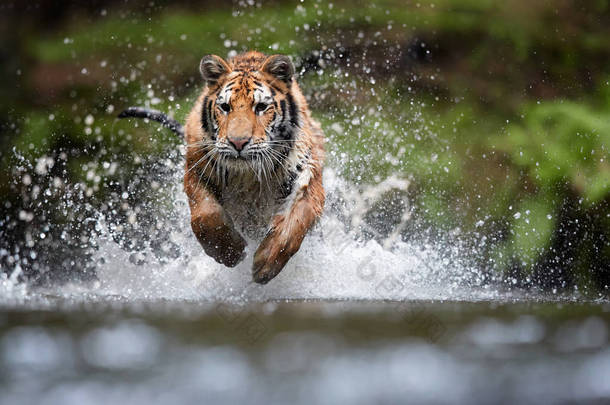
x=91, y=349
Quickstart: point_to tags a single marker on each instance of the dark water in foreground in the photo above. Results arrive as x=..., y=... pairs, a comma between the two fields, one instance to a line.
x=81, y=351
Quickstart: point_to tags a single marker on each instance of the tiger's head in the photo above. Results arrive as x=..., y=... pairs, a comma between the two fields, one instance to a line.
x=249, y=112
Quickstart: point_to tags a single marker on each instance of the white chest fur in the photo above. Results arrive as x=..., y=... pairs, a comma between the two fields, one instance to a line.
x=250, y=204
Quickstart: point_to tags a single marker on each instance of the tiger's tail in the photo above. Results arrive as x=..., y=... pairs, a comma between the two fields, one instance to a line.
x=163, y=119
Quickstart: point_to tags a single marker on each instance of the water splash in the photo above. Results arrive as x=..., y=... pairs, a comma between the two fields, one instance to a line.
x=345, y=257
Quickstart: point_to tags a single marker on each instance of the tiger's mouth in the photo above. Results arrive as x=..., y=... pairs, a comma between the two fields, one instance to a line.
x=241, y=156
x=255, y=153
x=233, y=154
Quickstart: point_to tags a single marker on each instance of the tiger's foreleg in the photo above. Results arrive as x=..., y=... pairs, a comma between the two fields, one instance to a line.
x=212, y=227
x=288, y=229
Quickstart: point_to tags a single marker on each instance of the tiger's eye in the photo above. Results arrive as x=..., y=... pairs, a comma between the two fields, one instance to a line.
x=260, y=108
x=225, y=107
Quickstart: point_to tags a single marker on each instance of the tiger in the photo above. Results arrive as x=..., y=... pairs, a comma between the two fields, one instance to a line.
x=254, y=160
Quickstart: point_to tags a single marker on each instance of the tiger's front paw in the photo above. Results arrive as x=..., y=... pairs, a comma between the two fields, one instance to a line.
x=271, y=257
x=222, y=243
x=231, y=254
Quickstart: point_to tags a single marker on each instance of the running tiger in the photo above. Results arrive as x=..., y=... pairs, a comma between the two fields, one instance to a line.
x=253, y=162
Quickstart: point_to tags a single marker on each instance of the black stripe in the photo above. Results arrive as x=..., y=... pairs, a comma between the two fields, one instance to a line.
x=284, y=131
x=274, y=88
x=282, y=127
x=294, y=112
x=204, y=116
x=210, y=185
x=288, y=185
x=211, y=118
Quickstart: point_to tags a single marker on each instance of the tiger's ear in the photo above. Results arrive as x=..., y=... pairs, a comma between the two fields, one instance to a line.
x=279, y=66
x=212, y=67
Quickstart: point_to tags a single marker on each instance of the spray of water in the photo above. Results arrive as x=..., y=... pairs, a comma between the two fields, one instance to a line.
x=345, y=257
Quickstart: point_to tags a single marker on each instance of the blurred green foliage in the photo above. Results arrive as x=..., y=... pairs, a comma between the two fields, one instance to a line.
x=498, y=111
x=564, y=141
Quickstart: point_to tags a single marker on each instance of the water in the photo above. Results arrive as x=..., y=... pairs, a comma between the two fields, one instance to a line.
x=356, y=317
x=66, y=350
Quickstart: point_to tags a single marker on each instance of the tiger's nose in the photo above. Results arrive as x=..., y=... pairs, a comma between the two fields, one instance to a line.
x=239, y=143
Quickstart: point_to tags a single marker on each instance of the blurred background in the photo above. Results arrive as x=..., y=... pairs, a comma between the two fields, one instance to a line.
x=498, y=113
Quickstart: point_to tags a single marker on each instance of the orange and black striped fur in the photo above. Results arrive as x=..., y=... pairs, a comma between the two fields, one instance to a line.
x=253, y=162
